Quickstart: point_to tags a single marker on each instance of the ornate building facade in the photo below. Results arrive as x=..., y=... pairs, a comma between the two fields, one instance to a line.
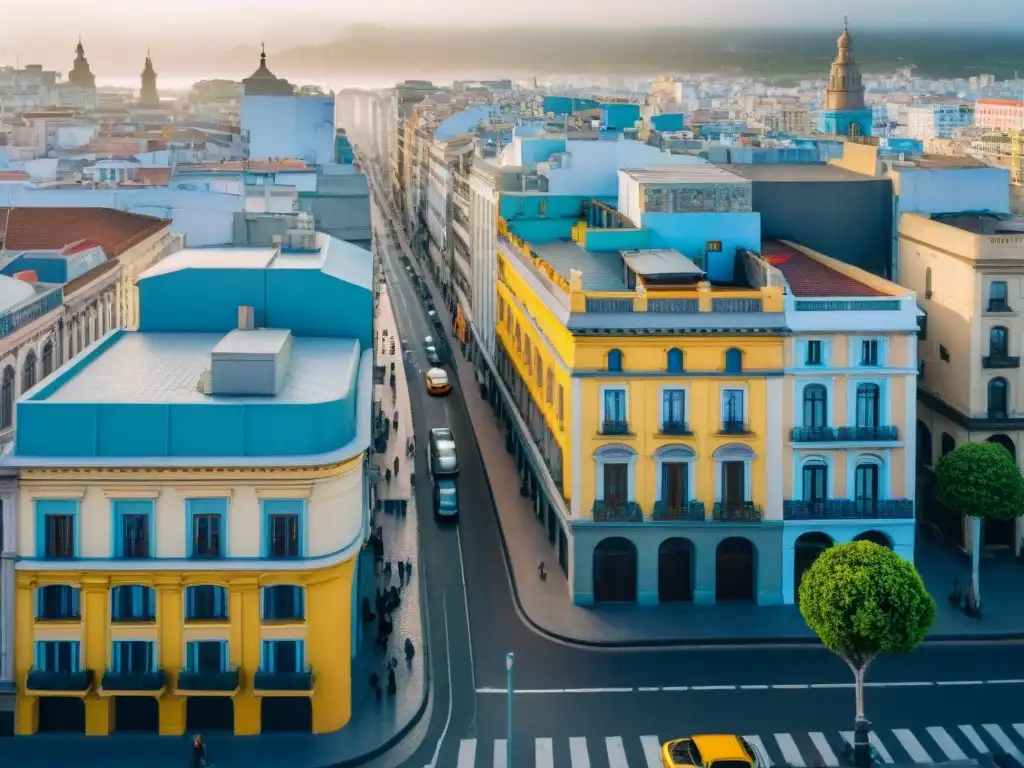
x=845, y=113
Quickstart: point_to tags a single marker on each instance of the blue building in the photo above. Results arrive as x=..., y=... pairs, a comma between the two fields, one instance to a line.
x=845, y=112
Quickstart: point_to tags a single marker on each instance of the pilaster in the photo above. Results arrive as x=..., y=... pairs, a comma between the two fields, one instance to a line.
x=8, y=555
x=170, y=618
x=99, y=711
x=244, y=651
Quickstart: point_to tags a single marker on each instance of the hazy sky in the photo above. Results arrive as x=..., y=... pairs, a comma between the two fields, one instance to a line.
x=45, y=33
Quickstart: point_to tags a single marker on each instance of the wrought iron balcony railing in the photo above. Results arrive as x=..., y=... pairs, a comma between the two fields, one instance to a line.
x=47, y=680
x=623, y=512
x=813, y=434
x=1000, y=361
x=869, y=434
x=736, y=512
x=208, y=679
x=690, y=511
x=848, y=509
x=133, y=681
x=614, y=427
x=730, y=427
x=675, y=427
x=264, y=680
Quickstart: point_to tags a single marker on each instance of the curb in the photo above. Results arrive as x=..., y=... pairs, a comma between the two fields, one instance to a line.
x=807, y=640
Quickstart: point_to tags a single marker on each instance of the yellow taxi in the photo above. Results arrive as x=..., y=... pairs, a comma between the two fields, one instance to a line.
x=712, y=751
x=437, y=382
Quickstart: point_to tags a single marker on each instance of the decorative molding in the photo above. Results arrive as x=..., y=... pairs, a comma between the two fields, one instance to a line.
x=131, y=492
x=204, y=491
x=286, y=491
x=56, y=490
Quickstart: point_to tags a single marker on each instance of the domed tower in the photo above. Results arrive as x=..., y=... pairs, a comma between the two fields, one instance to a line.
x=148, y=96
x=845, y=112
x=80, y=74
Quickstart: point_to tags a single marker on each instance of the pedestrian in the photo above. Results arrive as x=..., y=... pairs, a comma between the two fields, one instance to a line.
x=375, y=684
x=382, y=635
x=387, y=475
x=409, y=651
x=387, y=574
x=401, y=573
x=392, y=685
x=408, y=570
x=200, y=756
x=393, y=595
x=396, y=466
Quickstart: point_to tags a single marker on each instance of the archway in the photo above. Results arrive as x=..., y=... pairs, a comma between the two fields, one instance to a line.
x=878, y=537
x=288, y=714
x=924, y=445
x=615, y=571
x=209, y=713
x=675, y=571
x=1006, y=442
x=136, y=714
x=1001, y=534
x=61, y=714
x=806, y=550
x=735, y=570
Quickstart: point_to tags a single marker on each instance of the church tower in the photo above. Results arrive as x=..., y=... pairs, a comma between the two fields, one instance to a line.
x=845, y=112
x=148, y=96
x=80, y=74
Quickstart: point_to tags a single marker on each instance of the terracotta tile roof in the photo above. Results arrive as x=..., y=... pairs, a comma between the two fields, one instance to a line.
x=93, y=274
x=151, y=177
x=13, y=176
x=257, y=166
x=808, y=277
x=32, y=229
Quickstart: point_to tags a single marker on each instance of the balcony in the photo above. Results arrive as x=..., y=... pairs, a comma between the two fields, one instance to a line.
x=998, y=305
x=848, y=509
x=673, y=427
x=692, y=511
x=1000, y=361
x=267, y=683
x=737, y=512
x=30, y=311
x=40, y=682
x=877, y=434
x=730, y=427
x=813, y=435
x=133, y=683
x=615, y=427
x=211, y=682
x=625, y=512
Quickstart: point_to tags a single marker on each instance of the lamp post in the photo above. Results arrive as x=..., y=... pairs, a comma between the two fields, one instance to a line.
x=509, y=663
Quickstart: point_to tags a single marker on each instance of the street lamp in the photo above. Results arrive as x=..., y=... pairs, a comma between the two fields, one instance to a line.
x=509, y=663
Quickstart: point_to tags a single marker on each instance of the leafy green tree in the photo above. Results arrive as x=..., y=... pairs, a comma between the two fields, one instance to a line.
x=862, y=600
x=980, y=480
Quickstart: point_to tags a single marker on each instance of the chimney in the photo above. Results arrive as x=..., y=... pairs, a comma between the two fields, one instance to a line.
x=246, y=318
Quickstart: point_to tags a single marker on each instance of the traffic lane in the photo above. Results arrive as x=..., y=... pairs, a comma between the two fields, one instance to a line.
x=669, y=715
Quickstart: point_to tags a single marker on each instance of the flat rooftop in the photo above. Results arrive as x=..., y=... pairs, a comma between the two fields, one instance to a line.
x=601, y=271
x=661, y=262
x=214, y=258
x=796, y=172
x=164, y=368
x=983, y=223
x=810, y=278
x=684, y=174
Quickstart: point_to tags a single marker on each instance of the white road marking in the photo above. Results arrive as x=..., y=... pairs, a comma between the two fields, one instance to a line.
x=874, y=741
x=648, y=690
x=949, y=747
x=972, y=736
x=616, y=752
x=467, y=753
x=754, y=687
x=1004, y=742
x=832, y=685
x=451, y=698
x=545, y=753
x=652, y=751
x=790, y=751
x=961, y=682
x=912, y=746
x=675, y=688
x=712, y=687
x=499, y=754
x=758, y=746
x=597, y=690
x=1019, y=728
x=824, y=749
x=578, y=755
x=794, y=687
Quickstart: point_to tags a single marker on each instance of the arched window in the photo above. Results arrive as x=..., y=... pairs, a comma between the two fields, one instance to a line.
x=948, y=443
x=47, y=359
x=7, y=399
x=998, y=341
x=28, y=373
x=928, y=282
x=867, y=485
x=998, y=397
x=674, y=364
x=733, y=361
x=814, y=481
x=614, y=360
x=868, y=405
x=815, y=406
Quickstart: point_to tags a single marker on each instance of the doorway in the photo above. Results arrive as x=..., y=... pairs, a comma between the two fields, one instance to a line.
x=615, y=571
x=734, y=570
x=675, y=571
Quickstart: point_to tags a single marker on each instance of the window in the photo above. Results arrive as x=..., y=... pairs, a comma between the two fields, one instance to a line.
x=815, y=485
x=675, y=481
x=998, y=341
x=614, y=360
x=7, y=399
x=673, y=411
x=928, y=282
x=133, y=603
x=285, y=656
x=948, y=443
x=616, y=484
x=538, y=368
x=133, y=656
x=674, y=363
x=998, y=397
x=561, y=403
x=64, y=656
x=501, y=309
x=733, y=361
x=866, y=488
x=713, y=246
x=868, y=405
x=549, y=391
x=207, y=527
x=283, y=602
x=206, y=656
x=869, y=352
x=732, y=410
x=734, y=484
x=206, y=602
x=28, y=373
x=528, y=357
x=813, y=353
x=998, y=300
x=56, y=534
x=57, y=602
x=815, y=405
x=614, y=420
x=943, y=354
x=47, y=359
x=133, y=529
x=283, y=527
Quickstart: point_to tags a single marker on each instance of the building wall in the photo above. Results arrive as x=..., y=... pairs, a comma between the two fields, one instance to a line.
x=690, y=233
x=290, y=127
x=483, y=218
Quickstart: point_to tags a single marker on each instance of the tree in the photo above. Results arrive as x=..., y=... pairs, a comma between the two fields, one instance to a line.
x=862, y=600
x=980, y=480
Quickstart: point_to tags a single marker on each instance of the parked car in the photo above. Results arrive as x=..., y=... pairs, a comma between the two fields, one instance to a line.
x=441, y=454
x=446, y=499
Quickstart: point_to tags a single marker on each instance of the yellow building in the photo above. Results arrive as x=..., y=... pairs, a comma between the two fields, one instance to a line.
x=192, y=503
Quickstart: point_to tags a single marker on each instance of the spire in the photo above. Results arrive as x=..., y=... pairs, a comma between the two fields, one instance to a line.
x=845, y=89
x=148, y=95
x=80, y=74
x=263, y=54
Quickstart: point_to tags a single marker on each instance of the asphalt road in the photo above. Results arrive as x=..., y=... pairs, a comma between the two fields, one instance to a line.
x=473, y=622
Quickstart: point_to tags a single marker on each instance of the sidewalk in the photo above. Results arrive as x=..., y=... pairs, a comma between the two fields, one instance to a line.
x=547, y=607
x=375, y=726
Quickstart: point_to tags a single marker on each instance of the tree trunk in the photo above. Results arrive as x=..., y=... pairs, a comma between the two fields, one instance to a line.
x=976, y=559
x=859, y=667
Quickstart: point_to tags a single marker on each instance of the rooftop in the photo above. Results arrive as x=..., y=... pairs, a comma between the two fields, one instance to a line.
x=601, y=271
x=983, y=222
x=796, y=172
x=664, y=262
x=952, y=162
x=51, y=229
x=684, y=174
x=808, y=277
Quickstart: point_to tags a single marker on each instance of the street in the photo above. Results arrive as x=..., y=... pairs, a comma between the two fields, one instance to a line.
x=588, y=707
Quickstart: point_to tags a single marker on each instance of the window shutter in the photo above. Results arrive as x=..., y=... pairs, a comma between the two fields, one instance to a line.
x=266, y=657
x=191, y=656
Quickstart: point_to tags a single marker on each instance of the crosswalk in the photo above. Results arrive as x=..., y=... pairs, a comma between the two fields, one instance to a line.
x=814, y=749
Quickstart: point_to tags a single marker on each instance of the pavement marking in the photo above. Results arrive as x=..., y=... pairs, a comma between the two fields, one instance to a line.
x=974, y=738
x=875, y=742
x=824, y=749
x=901, y=684
x=1014, y=681
x=1000, y=738
x=712, y=687
x=754, y=687
x=598, y=690
x=544, y=751
x=616, y=752
x=648, y=690
x=832, y=685
x=1019, y=728
x=675, y=688
x=451, y=698
x=790, y=751
x=652, y=751
x=946, y=743
x=578, y=755
x=911, y=745
x=499, y=754
x=961, y=682
x=467, y=753
x=758, y=745
x=794, y=687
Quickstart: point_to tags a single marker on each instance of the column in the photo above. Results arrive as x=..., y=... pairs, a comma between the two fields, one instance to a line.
x=8, y=552
x=99, y=710
x=244, y=651
x=26, y=715
x=169, y=651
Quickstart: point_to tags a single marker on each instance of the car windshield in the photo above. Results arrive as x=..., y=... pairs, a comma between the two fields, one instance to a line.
x=446, y=451
x=447, y=497
x=442, y=433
